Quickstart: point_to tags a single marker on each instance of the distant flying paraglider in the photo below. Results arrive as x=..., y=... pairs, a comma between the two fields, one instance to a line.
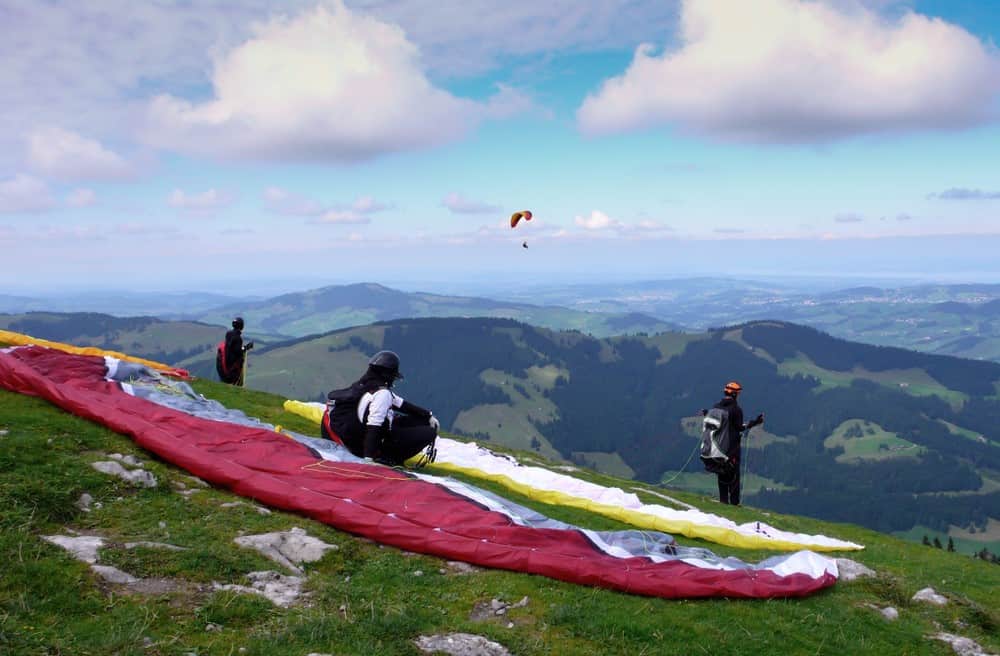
x=516, y=217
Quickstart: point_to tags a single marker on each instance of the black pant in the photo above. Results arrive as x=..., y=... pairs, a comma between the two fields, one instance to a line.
x=407, y=437
x=729, y=486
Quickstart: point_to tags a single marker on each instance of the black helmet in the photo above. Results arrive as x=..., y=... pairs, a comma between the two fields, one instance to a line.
x=238, y=323
x=387, y=364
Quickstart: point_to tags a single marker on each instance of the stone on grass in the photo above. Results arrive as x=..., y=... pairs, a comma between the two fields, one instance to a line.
x=287, y=548
x=83, y=548
x=84, y=502
x=154, y=545
x=928, y=595
x=113, y=574
x=280, y=589
x=961, y=646
x=851, y=569
x=135, y=476
x=131, y=461
x=460, y=644
x=890, y=613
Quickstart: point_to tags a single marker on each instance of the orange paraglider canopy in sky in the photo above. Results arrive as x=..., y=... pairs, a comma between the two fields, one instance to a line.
x=517, y=216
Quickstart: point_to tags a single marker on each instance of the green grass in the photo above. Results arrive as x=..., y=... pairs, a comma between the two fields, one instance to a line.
x=912, y=381
x=366, y=600
x=875, y=443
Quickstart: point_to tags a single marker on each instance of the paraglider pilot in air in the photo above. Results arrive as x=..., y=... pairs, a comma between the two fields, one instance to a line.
x=724, y=430
x=230, y=356
x=372, y=421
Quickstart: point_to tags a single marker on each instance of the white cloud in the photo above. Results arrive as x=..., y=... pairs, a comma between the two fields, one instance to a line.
x=459, y=204
x=328, y=84
x=286, y=202
x=849, y=217
x=24, y=193
x=596, y=221
x=81, y=198
x=206, y=201
x=790, y=71
x=961, y=193
x=343, y=217
x=62, y=154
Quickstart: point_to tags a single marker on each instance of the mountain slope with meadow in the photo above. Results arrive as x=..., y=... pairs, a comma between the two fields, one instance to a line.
x=846, y=422
x=178, y=542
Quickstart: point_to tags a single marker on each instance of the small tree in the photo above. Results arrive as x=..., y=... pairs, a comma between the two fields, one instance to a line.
x=927, y=541
x=951, y=544
x=937, y=543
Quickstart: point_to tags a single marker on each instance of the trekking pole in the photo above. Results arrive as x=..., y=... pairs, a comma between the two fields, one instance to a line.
x=746, y=461
x=243, y=372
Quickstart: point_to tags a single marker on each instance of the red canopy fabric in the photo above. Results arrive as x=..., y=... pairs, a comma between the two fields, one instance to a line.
x=368, y=500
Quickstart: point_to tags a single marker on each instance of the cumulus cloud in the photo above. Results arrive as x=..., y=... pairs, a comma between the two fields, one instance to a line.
x=343, y=217
x=459, y=204
x=24, y=194
x=81, y=198
x=596, y=220
x=206, y=201
x=795, y=71
x=849, y=217
x=959, y=193
x=66, y=155
x=328, y=84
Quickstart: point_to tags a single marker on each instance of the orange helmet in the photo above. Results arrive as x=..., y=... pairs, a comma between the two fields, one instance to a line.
x=732, y=388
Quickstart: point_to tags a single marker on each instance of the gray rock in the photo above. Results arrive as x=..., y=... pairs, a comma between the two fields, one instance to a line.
x=84, y=502
x=287, y=548
x=460, y=644
x=890, y=613
x=113, y=574
x=851, y=569
x=281, y=590
x=928, y=595
x=961, y=646
x=83, y=548
x=154, y=545
x=135, y=476
x=131, y=461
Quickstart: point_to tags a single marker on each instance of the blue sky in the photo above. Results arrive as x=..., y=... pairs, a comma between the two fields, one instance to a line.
x=194, y=145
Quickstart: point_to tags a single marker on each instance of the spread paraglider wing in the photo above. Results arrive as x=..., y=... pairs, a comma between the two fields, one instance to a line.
x=517, y=216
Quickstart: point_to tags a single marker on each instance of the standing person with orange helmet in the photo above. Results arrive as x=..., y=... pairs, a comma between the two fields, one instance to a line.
x=729, y=478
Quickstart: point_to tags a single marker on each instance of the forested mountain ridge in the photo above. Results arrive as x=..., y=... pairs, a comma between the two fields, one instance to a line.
x=846, y=423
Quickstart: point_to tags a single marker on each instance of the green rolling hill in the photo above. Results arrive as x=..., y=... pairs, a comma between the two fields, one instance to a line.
x=341, y=306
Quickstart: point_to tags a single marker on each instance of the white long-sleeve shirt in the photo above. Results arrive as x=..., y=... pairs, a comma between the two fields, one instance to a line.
x=379, y=406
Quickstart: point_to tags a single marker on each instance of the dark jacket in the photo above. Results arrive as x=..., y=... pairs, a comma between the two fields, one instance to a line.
x=729, y=404
x=232, y=353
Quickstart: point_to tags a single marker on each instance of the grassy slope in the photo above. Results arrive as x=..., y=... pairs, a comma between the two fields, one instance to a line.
x=367, y=599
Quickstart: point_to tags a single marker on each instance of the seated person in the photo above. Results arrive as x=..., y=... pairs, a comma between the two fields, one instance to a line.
x=374, y=422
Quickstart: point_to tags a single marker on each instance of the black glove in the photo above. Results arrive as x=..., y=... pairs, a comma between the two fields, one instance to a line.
x=248, y=346
x=756, y=421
